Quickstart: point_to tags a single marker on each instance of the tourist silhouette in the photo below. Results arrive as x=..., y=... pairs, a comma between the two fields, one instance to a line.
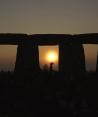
x=51, y=66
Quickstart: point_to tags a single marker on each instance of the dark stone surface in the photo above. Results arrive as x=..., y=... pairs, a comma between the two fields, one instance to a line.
x=71, y=59
x=27, y=60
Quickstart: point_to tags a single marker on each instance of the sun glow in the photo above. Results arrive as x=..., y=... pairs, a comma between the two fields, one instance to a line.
x=51, y=56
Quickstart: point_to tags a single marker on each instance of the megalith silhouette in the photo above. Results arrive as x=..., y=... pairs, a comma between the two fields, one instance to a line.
x=64, y=58
x=27, y=59
x=71, y=59
x=78, y=60
x=71, y=51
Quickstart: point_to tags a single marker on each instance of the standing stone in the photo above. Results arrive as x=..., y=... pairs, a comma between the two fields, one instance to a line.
x=64, y=58
x=27, y=60
x=78, y=60
x=71, y=59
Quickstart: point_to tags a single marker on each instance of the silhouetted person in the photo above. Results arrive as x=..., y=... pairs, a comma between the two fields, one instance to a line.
x=51, y=66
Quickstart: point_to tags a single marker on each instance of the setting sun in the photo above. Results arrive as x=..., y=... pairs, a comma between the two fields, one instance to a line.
x=48, y=54
x=52, y=56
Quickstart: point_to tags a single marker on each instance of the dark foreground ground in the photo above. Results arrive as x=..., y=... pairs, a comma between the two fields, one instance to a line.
x=48, y=94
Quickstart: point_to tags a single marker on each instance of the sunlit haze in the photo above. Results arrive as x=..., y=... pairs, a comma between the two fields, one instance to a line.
x=48, y=54
x=52, y=56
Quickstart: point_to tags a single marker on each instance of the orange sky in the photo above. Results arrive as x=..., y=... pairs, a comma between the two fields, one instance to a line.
x=43, y=51
x=8, y=56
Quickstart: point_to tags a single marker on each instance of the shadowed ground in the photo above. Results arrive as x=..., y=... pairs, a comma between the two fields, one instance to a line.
x=48, y=93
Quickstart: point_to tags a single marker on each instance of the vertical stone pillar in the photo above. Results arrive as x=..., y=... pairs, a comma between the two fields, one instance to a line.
x=27, y=59
x=71, y=59
x=78, y=60
x=64, y=58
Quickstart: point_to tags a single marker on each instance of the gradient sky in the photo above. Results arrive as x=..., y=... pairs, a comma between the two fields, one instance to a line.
x=49, y=16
